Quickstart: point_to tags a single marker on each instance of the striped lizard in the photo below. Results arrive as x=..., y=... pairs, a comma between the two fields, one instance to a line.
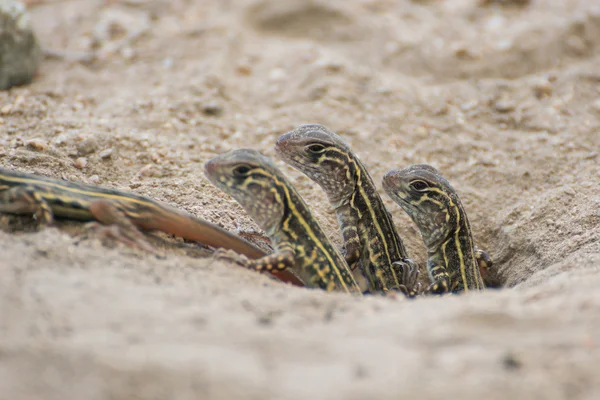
x=270, y=199
x=46, y=198
x=371, y=241
x=453, y=262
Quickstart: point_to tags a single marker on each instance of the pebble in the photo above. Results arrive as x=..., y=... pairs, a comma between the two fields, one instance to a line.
x=277, y=74
x=81, y=163
x=570, y=191
x=244, y=69
x=106, y=153
x=94, y=179
x=542, y=88
x=213, y=109
x=504, y=106
x=87, y=146
x=37, y=144
x=21, y=52
x=596, y=106
x=587, y=184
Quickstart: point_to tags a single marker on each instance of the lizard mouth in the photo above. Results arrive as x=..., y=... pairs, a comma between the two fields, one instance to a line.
x=408, y=205
x=403, y=200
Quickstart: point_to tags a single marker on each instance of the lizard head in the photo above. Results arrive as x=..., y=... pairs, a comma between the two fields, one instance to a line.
x=321, y=155
x=252, y=180
x=426, y=197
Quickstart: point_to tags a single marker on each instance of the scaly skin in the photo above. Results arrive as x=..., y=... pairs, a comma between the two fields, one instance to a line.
x=46, y=198
x=434, y=206
x=371, y=241
x=270, y=199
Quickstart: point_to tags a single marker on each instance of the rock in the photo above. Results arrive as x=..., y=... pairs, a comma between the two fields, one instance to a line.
x=212, y=109
x=504, y=106
x=20, y=53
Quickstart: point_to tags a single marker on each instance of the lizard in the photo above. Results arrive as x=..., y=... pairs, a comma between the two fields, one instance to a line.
x=371, y=241
x=47, y=198
x=300, y=243
x=453, y=261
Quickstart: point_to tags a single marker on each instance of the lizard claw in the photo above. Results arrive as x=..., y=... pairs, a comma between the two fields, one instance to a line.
x=230, y=256
x=438, y=287
x=411, y=287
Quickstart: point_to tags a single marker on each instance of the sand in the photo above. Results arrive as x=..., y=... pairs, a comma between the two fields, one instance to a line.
x=502, y=96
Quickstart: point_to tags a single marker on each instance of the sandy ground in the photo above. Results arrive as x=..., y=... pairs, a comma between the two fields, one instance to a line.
x=502, y=96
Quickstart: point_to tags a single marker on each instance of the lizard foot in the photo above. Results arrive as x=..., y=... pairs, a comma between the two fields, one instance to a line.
x=129, y=238
x=411, y=287
x=230, y=256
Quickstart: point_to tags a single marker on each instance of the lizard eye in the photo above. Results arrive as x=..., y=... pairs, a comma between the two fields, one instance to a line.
x=419, y=185
x=241, y=170
x=315, y=148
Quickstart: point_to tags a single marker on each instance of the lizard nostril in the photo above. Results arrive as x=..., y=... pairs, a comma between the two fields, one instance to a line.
x=388, y=179
x=281, y=143
x=209, y=168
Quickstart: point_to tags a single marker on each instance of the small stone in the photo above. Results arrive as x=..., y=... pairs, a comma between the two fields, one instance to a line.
x=464, y=53
x=106, y=153
x=212, y=109
x=20, y=52
x=542, y=88
x=244, y=69
x=511, y=362
x=87, y=146
x=81, y=163
x=504, y=106
x=6, y=109
x=146, y=170
x=277, y=74
x=596, y=106
x=37, y=144
x=570, y=191
x=587, y=184
x=94, y=180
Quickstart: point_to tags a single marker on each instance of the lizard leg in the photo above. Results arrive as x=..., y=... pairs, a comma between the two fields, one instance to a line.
x=409, y=271
x=252, y=235
x=484, y=261
x=118, y=225
x=348, y=221
x=26, y=200
x=282, y=259
x=488, y=273
x=441, y=280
